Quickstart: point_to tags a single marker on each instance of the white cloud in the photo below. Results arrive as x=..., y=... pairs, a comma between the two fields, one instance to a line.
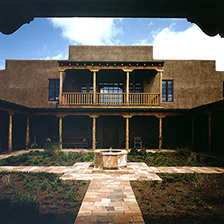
x=2, y=67
x=89, y=31
x=151, y=23
x=57, y=57
x=142, y=42
x=189, y=44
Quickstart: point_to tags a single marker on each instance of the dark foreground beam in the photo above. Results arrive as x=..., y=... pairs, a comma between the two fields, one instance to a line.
x=208, y=15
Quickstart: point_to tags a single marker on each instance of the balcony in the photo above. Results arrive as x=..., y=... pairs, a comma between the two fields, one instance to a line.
x=109, y=99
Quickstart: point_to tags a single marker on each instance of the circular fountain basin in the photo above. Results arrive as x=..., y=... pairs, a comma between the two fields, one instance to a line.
x=110, y=158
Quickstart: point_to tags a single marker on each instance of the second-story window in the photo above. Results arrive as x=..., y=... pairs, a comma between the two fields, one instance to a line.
x=87, y=87
x=135, y=87
x=54, y=89
x=167, y=90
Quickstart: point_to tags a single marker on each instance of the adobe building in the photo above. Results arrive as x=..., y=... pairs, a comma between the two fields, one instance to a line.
x=106, y=96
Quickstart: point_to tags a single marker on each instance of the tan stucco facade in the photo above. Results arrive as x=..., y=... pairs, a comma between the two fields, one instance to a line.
x=195, y=82
x=111, y=53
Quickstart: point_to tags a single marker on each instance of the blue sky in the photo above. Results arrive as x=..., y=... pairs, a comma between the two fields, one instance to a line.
x=49, y=38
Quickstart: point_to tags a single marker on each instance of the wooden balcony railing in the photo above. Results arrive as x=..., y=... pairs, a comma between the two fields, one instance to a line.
x=113, y=99
x=109, y=99
x=71, y=98
x=144, y=99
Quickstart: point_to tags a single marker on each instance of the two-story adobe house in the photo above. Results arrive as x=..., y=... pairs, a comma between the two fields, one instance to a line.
x=106, y=96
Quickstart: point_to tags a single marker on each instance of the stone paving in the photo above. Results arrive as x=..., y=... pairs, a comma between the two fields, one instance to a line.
x=109, y=198
x=109, y=201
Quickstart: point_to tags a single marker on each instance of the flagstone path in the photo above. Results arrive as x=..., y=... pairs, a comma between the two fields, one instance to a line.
x=109, y=198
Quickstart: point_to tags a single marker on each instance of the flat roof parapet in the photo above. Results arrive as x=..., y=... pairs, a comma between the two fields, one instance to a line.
x=110, y=53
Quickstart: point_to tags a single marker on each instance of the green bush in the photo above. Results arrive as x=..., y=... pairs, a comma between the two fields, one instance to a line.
x=23, y=208
x=133, y=152
x=52, y=149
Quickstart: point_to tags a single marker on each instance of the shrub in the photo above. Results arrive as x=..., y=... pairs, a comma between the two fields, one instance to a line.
x=6, y=179
x=133, y=152
x=50, y=196
x=47, y=202
x=20, y=209
x=44, y=186
x=52, y=149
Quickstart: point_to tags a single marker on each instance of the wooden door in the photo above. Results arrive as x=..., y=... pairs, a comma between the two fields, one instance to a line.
x=110, y=135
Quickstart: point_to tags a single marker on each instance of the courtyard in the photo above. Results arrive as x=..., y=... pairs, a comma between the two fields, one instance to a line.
x=153, y=188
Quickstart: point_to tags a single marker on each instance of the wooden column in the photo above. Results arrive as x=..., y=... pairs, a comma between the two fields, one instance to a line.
x=61, y=85
x=60, y=131
x=10, y=134
x=94, y=132
x=160, y=86
x=160, y=117
x=94, y=87
x=192, y=133
x=127, y=87
x=127, y=117
x=27, y=132
x=209, y=132
x=160, y=134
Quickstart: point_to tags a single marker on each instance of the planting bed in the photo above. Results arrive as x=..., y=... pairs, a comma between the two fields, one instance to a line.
x=182, y=198
x=61, y=158
x=179, y=158
x=43, y=158
x=39, y=198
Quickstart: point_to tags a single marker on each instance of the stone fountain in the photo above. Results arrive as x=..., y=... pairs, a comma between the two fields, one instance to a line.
x=110, y=159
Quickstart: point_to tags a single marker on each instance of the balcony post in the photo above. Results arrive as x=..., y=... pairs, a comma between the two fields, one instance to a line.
x=94, y=87
x=61, y=85
x=127, y=87
x=160, y=86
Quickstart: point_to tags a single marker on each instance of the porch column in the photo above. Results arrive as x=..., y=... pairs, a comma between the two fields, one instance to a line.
x=209, y=132
x=160, y=117
x=10, y=134
x=192, y=133
x=127, y=117
x=160, y=86
x=61, y=85
x=60, y=131
x=27, y=132
x=94, y=132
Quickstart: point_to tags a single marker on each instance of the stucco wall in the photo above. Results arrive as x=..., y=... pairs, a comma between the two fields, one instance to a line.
x=110, y=53
x=26, y=82
x=195, y=83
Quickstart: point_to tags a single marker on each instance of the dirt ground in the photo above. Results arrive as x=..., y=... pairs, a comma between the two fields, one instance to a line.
x=59, y=200
x=182, y=198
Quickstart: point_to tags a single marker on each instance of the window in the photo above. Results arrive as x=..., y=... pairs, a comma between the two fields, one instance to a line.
x=134, y=87
x=167, y=90
x=111, y=92
x=87, y=88
x=113, y=87
x=54, y=86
